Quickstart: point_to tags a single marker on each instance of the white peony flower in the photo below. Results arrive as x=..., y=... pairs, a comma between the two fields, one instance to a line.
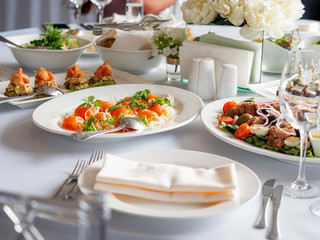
x=167, y=51
x=198, y=11
x=174, y=51
x=233, y=10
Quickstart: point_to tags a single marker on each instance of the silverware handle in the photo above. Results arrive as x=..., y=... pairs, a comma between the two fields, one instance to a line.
x=3, y=39
x=9, y=99
x=273, y=232
x=261, y=222
x=70, y=196
x=83, y=136
x=62, y=187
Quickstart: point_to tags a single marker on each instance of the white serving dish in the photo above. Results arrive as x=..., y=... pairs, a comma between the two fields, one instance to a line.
x=209, y=119
x=50, y=114
x=48, y=59
x=133, y=61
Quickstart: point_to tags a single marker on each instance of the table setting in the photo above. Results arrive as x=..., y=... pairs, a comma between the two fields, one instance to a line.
x=152, y=152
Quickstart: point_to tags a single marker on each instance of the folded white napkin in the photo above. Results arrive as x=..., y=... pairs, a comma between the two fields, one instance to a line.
x=167, y=182
x=131, y=40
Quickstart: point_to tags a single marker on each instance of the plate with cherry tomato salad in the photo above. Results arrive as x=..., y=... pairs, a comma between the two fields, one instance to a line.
x=255, y=125
x=160, y=108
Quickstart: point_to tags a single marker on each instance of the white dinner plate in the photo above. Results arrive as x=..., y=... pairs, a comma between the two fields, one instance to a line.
x=209, y=119
x=120, y=77
x=266, y=89
x=49, y=115
x=150, y=208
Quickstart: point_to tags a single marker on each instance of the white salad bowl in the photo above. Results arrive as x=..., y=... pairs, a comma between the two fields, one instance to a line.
x=48, y=59
x=306, y=43
x=133, y=61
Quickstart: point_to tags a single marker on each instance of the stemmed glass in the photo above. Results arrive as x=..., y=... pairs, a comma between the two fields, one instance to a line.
x=298, y=98
x=78, y=4
x=100, y=5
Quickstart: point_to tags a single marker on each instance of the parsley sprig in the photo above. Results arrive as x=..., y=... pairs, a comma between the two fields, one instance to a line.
x=52, y=38
x=90, y=102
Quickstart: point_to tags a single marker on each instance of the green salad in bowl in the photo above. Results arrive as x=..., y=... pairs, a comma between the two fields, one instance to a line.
x=53, y=39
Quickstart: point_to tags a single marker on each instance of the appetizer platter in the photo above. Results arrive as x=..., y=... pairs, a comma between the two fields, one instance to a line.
x=270, y=143
x=50, y=115
x=72, y=80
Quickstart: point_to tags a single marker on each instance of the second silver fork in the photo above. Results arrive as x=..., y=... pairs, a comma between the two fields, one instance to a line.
x=72, y=194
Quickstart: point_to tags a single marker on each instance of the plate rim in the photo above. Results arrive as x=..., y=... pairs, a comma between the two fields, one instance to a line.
x=226, y=137
x=116, y=204
x=195, y=100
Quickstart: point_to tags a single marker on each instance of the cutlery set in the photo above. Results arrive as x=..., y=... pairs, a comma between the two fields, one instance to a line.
x=274, y=194
x=69, y=189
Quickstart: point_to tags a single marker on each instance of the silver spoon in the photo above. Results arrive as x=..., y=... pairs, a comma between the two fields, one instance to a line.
x=3, y=39
x=49, y=91
x=131, y=123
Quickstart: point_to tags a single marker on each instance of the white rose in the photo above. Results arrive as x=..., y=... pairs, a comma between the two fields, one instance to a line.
x=233, y=10
x=198, y=11
x=167, y=51
x=174, y=51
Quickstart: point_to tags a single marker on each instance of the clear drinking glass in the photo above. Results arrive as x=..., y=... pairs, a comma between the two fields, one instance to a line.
x=134, y=10
x=298, y=99
x=100, y=6
x=78, y=4
x=89, y=215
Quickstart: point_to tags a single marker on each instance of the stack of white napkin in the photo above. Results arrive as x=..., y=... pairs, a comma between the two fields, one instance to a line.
x=167, y=182
x=130, y=40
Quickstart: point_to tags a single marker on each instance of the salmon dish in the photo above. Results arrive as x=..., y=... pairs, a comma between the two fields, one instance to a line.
x=95, y=114
x=19, y=85
x=75, y=78
x=102, y=76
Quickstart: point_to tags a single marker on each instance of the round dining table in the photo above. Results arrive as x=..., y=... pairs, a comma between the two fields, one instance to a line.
x=35, y=162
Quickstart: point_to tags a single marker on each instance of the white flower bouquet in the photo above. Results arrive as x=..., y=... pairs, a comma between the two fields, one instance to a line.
x=167, y=42
x=274, y=17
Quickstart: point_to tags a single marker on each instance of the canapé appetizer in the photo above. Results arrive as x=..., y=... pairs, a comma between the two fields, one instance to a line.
x=102, y=76
x=19, y=85
x=75, y=78
x=44, y=79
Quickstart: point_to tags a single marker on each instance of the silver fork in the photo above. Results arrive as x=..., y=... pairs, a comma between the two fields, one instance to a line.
x=70, y=196
x=81, y=164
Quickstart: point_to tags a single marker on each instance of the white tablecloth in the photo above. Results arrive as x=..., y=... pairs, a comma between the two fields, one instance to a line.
x=43, y=160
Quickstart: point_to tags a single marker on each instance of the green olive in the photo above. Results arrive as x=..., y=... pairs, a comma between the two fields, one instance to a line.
x=231, y=112
x=244, y=118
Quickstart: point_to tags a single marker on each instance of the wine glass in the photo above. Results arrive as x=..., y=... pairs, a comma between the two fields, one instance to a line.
x=78, y=4
x=298, y=99
x=100, y=6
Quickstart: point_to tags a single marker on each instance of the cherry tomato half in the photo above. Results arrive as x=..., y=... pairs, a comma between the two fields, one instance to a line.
x=225, y=119
x=228, y=105
x=242, y=131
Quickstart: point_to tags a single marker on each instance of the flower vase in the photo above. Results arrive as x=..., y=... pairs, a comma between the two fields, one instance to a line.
x=173, y=69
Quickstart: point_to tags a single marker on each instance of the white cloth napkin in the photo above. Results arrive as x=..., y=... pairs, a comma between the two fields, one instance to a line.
x=167, y=182
x=131, y=40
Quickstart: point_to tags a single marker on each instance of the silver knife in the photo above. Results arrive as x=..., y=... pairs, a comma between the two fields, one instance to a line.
x=267, y=190
x=274, y=232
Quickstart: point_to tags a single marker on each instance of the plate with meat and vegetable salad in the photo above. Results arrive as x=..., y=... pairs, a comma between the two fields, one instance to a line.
x=73, y=79
x=255, y=125
x=161, y=108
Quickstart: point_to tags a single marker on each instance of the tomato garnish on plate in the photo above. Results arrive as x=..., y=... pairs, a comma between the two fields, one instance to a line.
x=228, y=105
x=242, y=131
x=225, y=119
